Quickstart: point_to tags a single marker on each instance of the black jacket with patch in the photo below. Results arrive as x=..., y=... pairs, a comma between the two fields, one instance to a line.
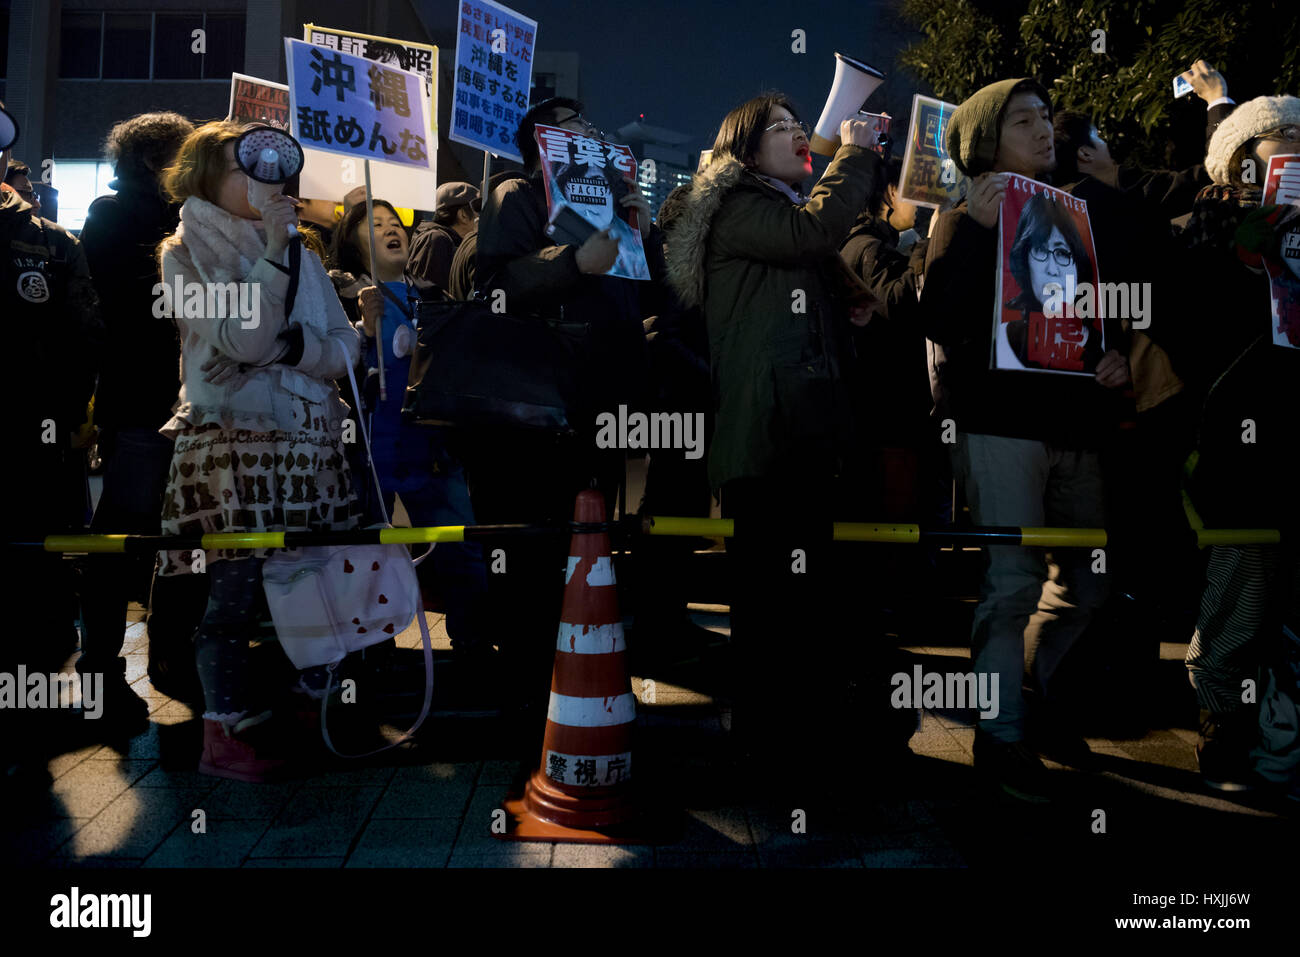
x=52, y=315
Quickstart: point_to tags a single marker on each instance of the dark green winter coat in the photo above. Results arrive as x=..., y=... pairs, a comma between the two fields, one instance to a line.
x=773, y=288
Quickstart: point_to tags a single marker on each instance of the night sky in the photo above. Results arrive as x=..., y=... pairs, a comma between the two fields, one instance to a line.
x=685, y=63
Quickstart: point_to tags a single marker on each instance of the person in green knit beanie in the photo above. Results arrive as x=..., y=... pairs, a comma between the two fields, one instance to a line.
x=1026, y=449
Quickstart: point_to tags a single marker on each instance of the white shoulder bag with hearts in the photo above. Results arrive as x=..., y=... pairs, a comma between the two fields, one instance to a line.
x=328, y=601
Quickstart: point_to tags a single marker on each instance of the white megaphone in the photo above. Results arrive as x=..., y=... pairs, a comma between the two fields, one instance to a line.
x=854, y=82
x=8, y=130
x=270, y=158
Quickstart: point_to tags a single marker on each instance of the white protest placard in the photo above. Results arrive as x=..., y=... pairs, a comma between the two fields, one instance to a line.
x=421, y=58
x=494, y=73
x=345, y=109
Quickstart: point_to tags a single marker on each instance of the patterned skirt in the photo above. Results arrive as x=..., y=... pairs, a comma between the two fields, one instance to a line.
x=240, y=480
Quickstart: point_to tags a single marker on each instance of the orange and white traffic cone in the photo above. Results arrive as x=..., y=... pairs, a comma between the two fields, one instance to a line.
x=582, y=791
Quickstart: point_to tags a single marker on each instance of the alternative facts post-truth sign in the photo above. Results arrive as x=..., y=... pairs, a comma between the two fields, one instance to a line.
x=342, y=103
x=494, y=73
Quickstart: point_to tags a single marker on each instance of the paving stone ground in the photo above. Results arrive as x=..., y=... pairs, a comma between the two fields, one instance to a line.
x=134, y=804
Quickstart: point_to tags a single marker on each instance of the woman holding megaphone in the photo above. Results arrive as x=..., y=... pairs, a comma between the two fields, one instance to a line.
x=763, y=261
x=258, y=421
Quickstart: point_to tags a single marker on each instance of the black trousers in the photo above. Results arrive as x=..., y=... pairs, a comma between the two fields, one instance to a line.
x=531, y=478
x=811, y=674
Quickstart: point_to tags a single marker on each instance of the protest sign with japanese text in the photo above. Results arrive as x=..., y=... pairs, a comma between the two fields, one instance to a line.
x=585, y=176
x=494, y=73
x=418, y=58
x=930, y=177
x=258, y=101
x=1047, y=315
x=1282, y=188
x=346, y=109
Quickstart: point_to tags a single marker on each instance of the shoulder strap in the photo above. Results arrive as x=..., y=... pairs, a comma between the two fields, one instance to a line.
x=295, y=267
x=427, y=642
x=405, y=307
x=425, y=639
x=365, y=433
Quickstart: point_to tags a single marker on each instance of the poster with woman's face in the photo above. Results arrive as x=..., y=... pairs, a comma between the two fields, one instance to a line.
x=1047, y=317
x=1282, y=188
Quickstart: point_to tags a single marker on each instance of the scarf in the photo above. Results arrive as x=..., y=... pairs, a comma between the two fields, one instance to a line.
x=225, y=248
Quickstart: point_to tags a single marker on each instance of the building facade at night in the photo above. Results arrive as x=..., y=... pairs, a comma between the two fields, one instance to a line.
x=71, y=69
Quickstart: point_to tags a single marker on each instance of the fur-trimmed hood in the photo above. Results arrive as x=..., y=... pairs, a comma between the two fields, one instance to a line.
x=688, y=244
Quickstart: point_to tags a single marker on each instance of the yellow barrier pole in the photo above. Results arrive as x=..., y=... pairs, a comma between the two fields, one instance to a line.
x=879, y=532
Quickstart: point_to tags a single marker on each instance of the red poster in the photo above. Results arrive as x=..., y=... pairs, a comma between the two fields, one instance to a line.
x=584, y=186
x=1282, y=188
x=1047, y=317
x=258, y=101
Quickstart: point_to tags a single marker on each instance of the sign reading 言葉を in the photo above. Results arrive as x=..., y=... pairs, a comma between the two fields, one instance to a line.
x=494, y=73
x=929, y=177
x=584, y=182
x=258, y=101
x=343, y=105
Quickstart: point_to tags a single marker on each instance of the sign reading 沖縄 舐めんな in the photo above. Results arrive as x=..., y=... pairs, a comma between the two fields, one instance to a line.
x=929, y=176
x=357, y=109
x=258, y=101
x=419, y=58
x=348, y=104
x=494, y=73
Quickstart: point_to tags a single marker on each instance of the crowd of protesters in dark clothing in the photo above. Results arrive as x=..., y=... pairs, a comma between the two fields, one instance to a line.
x=867, y=401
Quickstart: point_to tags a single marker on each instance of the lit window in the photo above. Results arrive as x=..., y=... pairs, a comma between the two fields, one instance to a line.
x=79, y=183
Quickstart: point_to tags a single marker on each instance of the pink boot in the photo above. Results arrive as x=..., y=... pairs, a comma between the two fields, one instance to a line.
x=227, y=752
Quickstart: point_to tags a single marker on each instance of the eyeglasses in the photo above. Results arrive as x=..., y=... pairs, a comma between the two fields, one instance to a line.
x=1063, y=257
x=1287, y=134
x=600, y=134
x=788, y=126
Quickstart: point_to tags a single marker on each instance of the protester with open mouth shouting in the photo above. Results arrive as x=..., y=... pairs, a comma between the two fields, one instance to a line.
x=763, y=261
x=412, y=460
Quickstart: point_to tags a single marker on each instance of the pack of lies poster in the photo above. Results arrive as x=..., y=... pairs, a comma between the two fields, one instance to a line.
x=585, y=185
x=1282, y=263
x=1047, y=316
